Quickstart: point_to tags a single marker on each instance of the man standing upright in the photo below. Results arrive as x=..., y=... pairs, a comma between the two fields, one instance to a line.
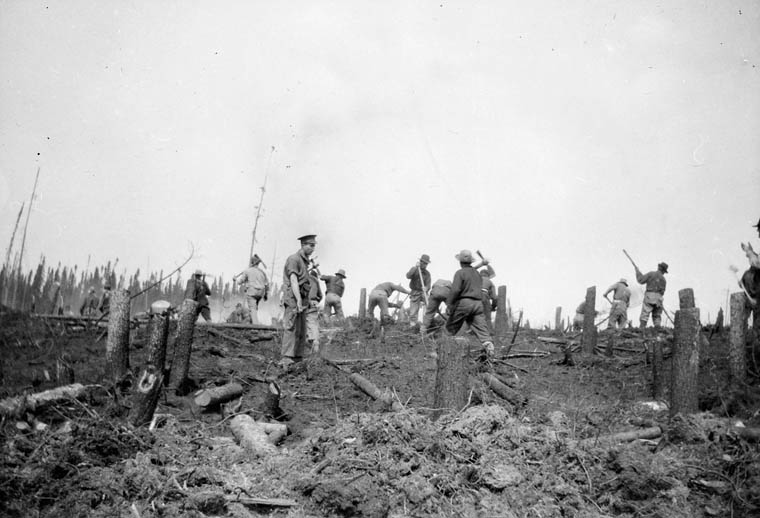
x=104, y=306
x=256, y=285
x=333, y=292
x=419, y=283
x=198, y=290
x=90, y=304
x=621, y=297
x=296, y=286
x=653, y=295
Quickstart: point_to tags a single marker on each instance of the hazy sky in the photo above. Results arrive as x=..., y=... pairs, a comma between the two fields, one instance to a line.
x=549, y=136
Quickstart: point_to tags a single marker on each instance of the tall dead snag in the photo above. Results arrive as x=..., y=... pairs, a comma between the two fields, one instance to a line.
x=501, y=324
x=588, y=339
x=558, y=319
x=157, y=339
x=737, y=359
x=657, y=386
x=117, y=343
x=363, y=304
x=145, y=396
x=451, y=387
x=183, y=345
x=683, y=380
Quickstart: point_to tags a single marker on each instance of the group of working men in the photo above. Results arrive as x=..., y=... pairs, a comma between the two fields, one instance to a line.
x=93, y=306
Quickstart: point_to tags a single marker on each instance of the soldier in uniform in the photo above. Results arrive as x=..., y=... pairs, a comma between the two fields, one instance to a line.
x=296, y=285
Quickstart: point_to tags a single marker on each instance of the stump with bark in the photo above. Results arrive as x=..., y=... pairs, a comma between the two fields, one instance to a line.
x=145, y=396
x=157, y=340
x=183, y=345
x=452, y=366
x=271, y=405
x=588, y=338
x=117, y=343
x=737, y=359
x=683, y=380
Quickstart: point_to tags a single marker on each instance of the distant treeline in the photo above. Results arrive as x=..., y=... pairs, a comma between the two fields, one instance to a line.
x=62, y=289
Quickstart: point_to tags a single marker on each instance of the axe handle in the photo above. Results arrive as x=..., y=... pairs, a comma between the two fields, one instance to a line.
x=629, y=258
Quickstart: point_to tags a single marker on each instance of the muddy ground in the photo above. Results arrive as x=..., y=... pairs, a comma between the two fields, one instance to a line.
x=347, y=455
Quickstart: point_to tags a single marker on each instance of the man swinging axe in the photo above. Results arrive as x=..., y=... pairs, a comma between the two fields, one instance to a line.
x=653, y=294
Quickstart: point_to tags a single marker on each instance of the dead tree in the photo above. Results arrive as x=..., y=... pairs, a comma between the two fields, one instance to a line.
x=737, y=359
x=558, y=319
x=501, y=324
x=183, y=345
x=683, y=380
x=363, y=304
x=158, y=337
x=117, y=343
x=451, y=387
x=145, y=396
x=588, y=339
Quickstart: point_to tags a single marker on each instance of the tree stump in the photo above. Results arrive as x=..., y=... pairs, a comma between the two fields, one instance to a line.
x=214, y=396
x=451, y=387
x=558, y=319
x=362, y=304
x=271, y=405
x=686, y=298
x=183, y=345
x=588, y=339
x=145, y=396
x=500, y=324
x=683, y=380
x=657, y=385
x=157, y=339
x=117, y=343
x=737, y=357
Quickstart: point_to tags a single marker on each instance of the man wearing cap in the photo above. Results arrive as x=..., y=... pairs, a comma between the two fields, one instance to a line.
x=465, y=303
x=104, y=305
x=295, y=301
x=489, y=298
x=379, y=297
x=334, y=288
x=198, y=290
x=419, y=283
x=621, y=297
x=653, y=294
x=255, y=284
x=90, y=304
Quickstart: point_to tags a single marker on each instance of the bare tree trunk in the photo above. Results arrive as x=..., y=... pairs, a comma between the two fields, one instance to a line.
x=683, y=380
x=271, y=406
x=159, y=335
x=609, y=351
x=451, y=387
x=183, y=346
x=558, y=319
x=737, y=359
x=145, y=396
x=117, y=343
x=363, y=304
x=588, y=339
x=500, y=325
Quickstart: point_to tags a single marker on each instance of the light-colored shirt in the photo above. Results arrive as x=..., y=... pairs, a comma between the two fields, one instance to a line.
x=621, y=292
x=389, y=287
x=255, y=281
x=654, y=280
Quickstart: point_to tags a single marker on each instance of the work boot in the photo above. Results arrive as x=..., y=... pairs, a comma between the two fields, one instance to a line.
x=489, y=349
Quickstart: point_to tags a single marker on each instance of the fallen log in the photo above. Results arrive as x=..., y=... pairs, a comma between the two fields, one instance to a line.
x=528, y=354
x=269, y=502
x=145, y=396
x=503, y=390
x=18, y=405
x=258, y=438
x=211, y=397
x=229, y=325
x=237, y=341
x=652, y=432
x=375, y=393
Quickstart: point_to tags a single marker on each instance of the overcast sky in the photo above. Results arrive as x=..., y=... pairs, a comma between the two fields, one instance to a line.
x=549, y=136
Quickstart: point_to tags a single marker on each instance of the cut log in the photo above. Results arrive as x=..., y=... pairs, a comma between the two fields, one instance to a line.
x=157, y=340
x=611, y=440
x=145, y=396
x=375, y=393
x=117, y=342
x=183, y=345
x=260, y=439
x=18, y=405
x=683, y=380
x=266, y=502
x=211, y=397
x=271, y=405
x=502, y=390
x=451, y=387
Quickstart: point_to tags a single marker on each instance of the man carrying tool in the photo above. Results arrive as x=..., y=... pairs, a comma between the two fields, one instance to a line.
x=621, y=297
x=255, y=284
x=464, y=303
x=419, y=283
x=379, y=297
x=296, y=286
x=198, y=290
x=438, y=295
x=653, y=294
x=489, y=298
x=334, y=288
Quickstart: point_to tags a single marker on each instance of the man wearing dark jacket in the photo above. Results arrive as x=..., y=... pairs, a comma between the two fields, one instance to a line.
x=465, y=302
x=198, y=290
x=419, y=284
x=653, y=294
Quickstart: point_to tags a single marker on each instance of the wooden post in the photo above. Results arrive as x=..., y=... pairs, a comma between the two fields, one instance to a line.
x=363, y=304
x=657, y=370
x=588, y=339
x=501, y=325
x=157, y=339
x=683, y=380
x=117, y=343
x=737, y=358
x=183, y=345
x=558, y=319
x=145, y=395
x=451, y=386
x=686, y=298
